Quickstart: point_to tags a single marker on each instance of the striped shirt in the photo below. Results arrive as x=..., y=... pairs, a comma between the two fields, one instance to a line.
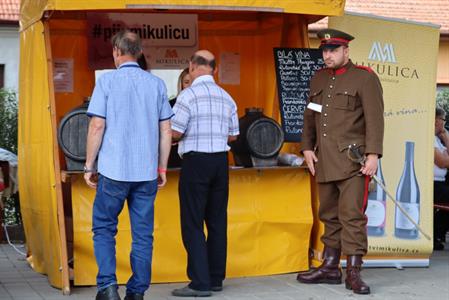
x=133, y=102
x=206, y=115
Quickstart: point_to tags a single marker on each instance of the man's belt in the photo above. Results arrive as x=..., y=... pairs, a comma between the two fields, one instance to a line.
x=195, y=153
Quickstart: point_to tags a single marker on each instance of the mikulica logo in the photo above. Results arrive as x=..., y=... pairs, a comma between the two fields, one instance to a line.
x=382, y=54
x=385, y=63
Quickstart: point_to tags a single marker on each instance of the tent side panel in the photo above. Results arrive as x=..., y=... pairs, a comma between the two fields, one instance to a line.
x=36, y=170
x=32, y=11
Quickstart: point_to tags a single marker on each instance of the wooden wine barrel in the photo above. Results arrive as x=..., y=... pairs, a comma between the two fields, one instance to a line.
x=264, y=138
x=260, y=137
x=72, y=135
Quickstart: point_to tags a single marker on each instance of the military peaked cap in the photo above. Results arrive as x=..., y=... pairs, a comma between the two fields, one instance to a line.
x=332, y=38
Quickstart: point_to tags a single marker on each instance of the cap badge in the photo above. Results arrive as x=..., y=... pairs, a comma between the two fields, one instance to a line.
x=327, y=36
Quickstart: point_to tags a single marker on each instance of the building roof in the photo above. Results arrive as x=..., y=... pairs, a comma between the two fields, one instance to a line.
x=428, y=11
x=9, y=10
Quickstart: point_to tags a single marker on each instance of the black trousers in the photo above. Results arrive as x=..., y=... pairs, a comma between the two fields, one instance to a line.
x=203, y=195
x=441, y=218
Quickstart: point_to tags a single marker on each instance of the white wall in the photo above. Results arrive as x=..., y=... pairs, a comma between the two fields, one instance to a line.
x=9, y=55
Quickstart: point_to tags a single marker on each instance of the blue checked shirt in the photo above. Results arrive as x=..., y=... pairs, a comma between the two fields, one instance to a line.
x=207, y=115
x=133, y=102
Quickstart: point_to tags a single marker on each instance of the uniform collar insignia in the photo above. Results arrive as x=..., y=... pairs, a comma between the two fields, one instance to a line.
x=343, y=69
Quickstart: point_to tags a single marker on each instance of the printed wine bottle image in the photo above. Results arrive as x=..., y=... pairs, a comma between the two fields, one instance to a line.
x=376, y=209
x=407, y=194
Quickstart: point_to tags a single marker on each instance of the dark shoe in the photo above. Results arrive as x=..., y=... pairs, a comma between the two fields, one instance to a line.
x=133, y=297
x=354, y=280
x=329, y=271
x=217, y=288
x=188, y=292
x=109, y=293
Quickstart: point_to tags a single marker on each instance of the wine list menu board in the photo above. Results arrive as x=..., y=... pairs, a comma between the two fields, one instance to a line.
x=294, y=69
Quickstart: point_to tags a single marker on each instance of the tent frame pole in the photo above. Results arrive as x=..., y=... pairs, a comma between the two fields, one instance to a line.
x=64, y=265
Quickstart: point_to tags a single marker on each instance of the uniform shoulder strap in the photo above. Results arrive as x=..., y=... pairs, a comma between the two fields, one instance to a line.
x=365, y=68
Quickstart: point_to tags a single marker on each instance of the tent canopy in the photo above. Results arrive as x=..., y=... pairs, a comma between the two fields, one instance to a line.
x=8, y=156
x=32, y=10
x=253, y=33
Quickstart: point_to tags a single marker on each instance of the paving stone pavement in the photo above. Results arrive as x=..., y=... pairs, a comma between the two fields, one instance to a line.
x=19, y=282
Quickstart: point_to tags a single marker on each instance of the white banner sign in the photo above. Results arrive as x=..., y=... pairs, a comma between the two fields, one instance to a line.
x=168, y=40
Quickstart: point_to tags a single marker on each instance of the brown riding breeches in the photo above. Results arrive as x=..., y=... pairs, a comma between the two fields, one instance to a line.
x=342, y=210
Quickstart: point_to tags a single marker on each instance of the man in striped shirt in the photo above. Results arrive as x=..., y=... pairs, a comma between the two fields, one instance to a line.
x=205, y=122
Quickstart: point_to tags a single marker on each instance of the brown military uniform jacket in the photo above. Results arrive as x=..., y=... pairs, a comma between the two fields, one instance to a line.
x=351, y=113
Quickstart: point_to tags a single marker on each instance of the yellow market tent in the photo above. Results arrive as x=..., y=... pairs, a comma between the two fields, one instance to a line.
x=57, y=29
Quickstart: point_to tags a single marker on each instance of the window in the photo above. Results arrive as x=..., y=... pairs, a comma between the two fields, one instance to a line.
x=170, y=77
x=2, y=76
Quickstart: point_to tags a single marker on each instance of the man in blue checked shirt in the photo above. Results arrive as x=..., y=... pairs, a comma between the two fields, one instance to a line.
x=130, y=132
x=205, y=122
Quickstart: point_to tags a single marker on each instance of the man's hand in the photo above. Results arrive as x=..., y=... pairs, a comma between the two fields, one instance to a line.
x=370, y=166
x=176, y=136
x=91, y=179
x=444, y=137
x=311, y=159
x=161, y=179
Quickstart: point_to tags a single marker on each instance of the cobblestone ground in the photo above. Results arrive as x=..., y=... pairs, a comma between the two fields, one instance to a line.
x=19, y=281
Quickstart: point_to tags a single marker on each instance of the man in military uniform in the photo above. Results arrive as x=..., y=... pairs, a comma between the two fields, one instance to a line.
x=345, y=108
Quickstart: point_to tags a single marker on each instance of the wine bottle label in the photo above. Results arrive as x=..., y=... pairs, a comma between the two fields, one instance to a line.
x=401, y=220
x=375, y=212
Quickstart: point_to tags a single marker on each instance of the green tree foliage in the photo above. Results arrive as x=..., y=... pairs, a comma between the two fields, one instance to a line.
x=8, y=141
x=443, y=99
x=8, y=120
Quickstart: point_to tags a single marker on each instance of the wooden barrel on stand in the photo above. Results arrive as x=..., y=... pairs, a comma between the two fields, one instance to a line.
x=261, y=138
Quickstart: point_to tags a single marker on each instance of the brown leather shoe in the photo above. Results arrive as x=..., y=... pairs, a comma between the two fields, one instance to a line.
x=353, y=279
x=328, y=272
